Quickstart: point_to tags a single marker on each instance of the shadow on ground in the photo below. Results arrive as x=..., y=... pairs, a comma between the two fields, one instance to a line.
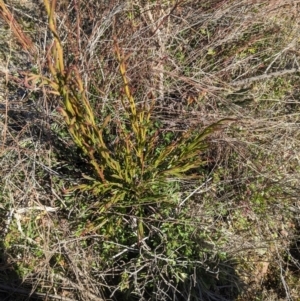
x=11, y=286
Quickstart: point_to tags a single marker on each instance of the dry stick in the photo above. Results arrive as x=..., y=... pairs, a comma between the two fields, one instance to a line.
x=158, y=31
x=78, y=287
x=250, y=80
x=126, y=249
x=196, y=190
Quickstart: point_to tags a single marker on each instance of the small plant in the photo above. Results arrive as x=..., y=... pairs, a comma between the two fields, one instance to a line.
x=132, y=173
x=136, y=168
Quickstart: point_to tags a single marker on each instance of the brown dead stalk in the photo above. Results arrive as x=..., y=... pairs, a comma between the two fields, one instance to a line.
x=22, y=38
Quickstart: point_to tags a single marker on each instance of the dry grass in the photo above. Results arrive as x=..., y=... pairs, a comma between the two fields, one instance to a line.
x=202, y=63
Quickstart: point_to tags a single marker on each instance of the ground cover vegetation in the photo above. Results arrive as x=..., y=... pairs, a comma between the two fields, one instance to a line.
x=149, y=150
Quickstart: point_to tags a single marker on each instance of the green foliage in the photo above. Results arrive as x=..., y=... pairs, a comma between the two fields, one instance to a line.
x=135, y=172
x=175, y=251
x=137, y=168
